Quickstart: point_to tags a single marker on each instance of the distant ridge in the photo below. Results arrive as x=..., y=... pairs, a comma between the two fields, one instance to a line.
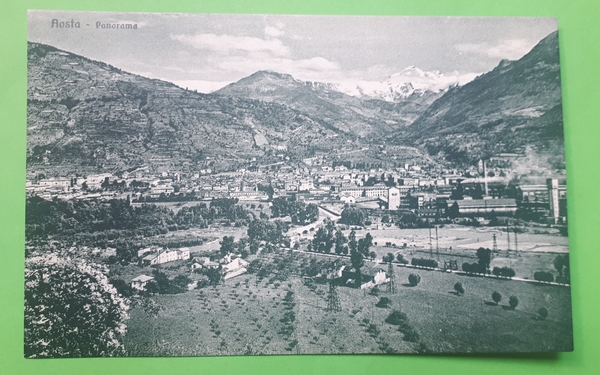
x=514, y=106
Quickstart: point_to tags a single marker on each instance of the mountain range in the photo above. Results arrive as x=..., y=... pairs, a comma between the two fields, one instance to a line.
x=85, y=115
x=514, y=106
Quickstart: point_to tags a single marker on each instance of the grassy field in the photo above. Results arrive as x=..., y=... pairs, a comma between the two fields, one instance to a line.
x=253, y=315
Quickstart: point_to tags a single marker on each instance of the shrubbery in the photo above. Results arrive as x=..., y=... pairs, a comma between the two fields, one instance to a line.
x=396, y=318
x=513, y=302
x=497, y=297
x=543, y=276
x=459, y=288
x=543, y=312
x=384, y=302
x=503, y=271
x=423, y=262
x=401, y=259
x=414, y=279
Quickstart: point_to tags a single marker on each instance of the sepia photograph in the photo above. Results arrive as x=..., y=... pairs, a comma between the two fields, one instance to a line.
x=233, y=184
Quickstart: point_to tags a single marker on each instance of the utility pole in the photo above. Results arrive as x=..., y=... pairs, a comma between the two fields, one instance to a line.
x=516, y=243
x=508, y=236
x=430, y=245
x=437, y=244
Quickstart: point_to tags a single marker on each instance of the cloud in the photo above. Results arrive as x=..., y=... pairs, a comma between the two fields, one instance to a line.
x=273, y=31
x=512, y=49
x=230, y=43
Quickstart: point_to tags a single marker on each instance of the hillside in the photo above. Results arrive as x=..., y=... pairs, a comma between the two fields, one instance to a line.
x=515, y=106
x=86, y=116
x=361, y=116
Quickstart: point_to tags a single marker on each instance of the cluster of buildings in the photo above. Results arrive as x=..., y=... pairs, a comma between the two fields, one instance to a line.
x=427, y=191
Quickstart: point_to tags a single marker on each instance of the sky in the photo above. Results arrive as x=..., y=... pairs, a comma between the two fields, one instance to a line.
x=208, y=51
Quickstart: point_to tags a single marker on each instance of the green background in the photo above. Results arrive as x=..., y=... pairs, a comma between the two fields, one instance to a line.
x=579, y=35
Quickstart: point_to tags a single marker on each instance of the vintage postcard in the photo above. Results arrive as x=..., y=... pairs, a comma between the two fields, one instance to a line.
x=212, y=184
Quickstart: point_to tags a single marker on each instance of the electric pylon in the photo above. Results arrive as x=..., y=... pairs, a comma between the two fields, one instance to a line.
x=333, y=300
x=391, y=287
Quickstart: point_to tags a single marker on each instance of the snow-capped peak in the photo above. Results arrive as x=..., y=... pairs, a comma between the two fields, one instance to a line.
x=407, y=82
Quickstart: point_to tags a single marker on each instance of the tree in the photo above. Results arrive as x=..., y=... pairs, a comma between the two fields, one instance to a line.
x=227, y=245
x=214, y=275
x=122, y=287
x=162, y=282
x=414, y=279
x=459, y=288
x=71, y=309
x=497, y=297
x=401, y=259
x=364, y=244
x=352, y=243
x=385, y=219
x=356, y=259
x=384, y=302
x=323, y=240
x=181, y=282
x=396, y=318
x=484, y=257
x=389, y=257
x=513, y=302
x=561, y=263
x=340, y=241
x=353, y=216
x=543, y=312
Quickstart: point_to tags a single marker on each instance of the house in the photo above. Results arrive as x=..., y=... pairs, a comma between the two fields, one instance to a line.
x=234, y=268
x=368, y=279
x=347, y=198
x=139, y=283
x=166, y=256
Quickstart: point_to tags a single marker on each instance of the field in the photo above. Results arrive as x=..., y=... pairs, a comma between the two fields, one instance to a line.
x=536, y=251
x=254, y=315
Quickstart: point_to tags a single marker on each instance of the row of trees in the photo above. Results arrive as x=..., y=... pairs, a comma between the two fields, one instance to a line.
x=300, y=212
x=44, y=218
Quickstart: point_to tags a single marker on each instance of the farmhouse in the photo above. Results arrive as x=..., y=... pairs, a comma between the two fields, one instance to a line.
x=234, y=268
x=139, y=283
x=368, y=279
x=166, y=256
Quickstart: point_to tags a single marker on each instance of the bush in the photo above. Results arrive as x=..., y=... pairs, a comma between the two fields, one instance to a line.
x=389, y=257
x=410, y=335
x=543, y=313
x=459, y=288
x=504, y=271
x=400, y=258
x=473, y=268
x=543, y=276
x=513, y=302
x=414, y=279
x=562, y=280
x=384, y=302
x=497, y=297
x=396, y=318
x=422, y=262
